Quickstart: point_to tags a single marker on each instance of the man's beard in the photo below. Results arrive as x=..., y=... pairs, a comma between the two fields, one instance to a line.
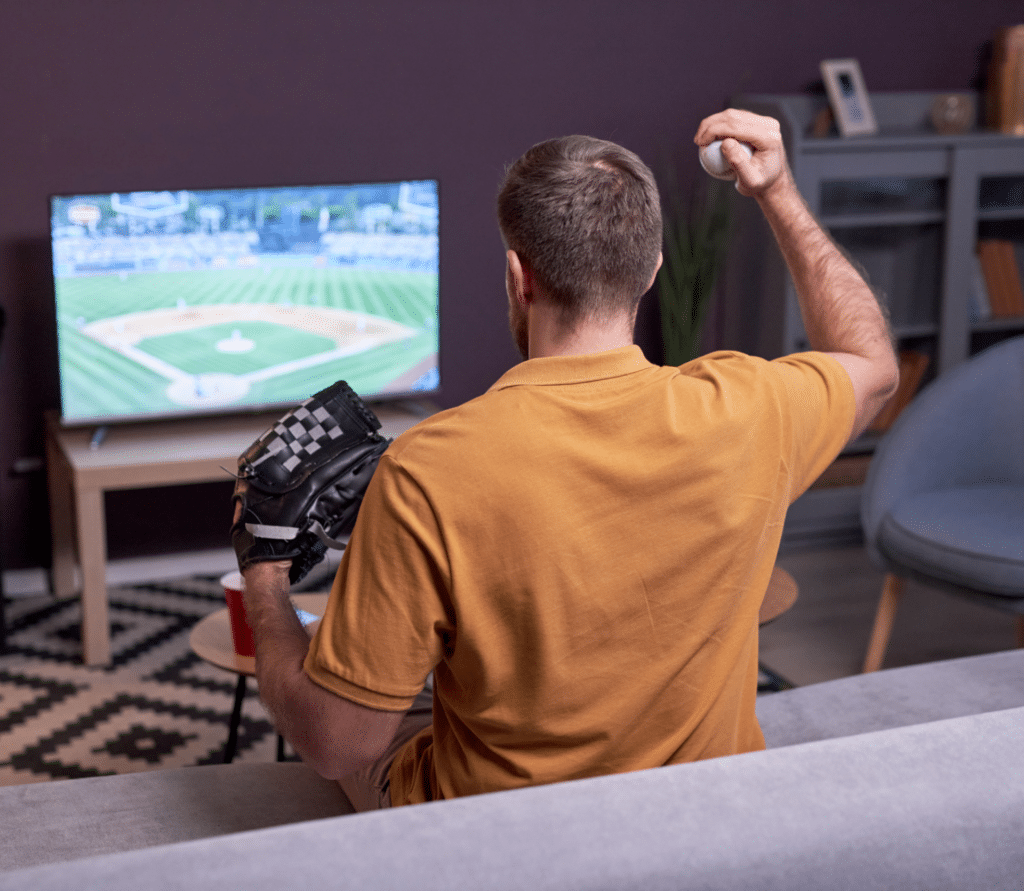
x=517, y=324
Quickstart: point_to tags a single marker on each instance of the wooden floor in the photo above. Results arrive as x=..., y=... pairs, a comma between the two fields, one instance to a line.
x=825, y=635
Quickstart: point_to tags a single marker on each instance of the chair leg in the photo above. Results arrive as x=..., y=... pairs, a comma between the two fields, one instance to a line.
x=884, y=617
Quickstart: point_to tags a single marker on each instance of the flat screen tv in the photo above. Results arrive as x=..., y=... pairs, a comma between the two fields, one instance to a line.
x=200, y=301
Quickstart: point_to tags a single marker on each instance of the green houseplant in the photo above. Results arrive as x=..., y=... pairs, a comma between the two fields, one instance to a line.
x=696, y=234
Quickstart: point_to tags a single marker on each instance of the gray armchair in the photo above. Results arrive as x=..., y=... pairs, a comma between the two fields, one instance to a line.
x=943, y=502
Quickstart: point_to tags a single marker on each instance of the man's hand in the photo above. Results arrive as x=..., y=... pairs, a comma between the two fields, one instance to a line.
x=265, y=583
x=767, y=168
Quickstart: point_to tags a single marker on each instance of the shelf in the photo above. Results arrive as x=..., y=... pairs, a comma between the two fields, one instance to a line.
x=1007, y=323
x=899, y=140
x=883, y=200
x=1001, y=214
x=883, y=218
x=912, y=330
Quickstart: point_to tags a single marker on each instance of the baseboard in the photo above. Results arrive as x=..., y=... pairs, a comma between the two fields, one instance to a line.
x=134, y=571
x=170, y=566
x=26, y=582
x=137, y=570
x=140, y=570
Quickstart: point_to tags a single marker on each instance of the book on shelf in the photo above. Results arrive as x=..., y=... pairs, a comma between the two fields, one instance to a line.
x=998, y=258
x=913, y=365
x=1004, y=96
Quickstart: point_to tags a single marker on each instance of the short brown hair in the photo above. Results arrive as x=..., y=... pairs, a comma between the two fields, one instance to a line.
x=585, y=215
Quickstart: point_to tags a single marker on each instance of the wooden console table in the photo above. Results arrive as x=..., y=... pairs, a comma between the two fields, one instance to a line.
x=139, y=457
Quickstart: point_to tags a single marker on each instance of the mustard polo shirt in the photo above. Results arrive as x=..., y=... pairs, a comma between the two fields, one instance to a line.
x=579, y=555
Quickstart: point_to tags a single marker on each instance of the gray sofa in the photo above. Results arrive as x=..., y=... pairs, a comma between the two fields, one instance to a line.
x=906, y=778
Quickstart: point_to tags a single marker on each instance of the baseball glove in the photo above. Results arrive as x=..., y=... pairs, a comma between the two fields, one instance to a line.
x=301, y=483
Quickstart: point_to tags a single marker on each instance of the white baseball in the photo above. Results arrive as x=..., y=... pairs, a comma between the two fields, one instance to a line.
x=714, y=162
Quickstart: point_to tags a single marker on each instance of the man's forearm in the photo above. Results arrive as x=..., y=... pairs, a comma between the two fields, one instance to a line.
x=840, y=311
x=331, y=734
x=281, y=642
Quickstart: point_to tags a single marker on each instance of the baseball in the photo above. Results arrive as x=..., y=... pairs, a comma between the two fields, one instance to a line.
x=713, y=161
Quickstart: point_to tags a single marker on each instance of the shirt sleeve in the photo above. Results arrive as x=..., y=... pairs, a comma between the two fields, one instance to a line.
x=819, y=406
x=389, y=616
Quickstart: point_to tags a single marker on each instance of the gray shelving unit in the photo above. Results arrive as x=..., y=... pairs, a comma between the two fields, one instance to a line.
x=910, y=205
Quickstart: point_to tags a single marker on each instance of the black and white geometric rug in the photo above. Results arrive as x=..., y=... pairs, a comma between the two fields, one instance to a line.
x=157, y=706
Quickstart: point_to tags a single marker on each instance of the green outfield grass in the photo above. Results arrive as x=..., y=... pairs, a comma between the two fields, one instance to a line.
x=97, y=381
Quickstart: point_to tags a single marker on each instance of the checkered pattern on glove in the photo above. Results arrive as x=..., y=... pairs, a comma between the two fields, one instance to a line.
x=301, y=483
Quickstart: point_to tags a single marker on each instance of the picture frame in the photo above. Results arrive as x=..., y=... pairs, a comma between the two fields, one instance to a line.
x=848, y=97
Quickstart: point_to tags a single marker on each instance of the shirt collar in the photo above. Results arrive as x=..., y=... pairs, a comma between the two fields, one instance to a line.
x=561, y=370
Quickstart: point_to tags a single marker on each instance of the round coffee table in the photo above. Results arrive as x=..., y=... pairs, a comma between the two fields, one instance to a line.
x=211, y=641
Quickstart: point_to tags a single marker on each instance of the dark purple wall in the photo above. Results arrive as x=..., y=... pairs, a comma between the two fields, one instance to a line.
x=194, y=93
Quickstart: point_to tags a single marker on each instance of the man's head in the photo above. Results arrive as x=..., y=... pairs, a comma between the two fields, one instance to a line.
x=585, y=216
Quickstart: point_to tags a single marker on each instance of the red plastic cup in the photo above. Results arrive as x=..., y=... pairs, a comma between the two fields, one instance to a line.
x=241, y=633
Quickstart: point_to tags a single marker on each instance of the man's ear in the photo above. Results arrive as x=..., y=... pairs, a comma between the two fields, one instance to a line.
x=650, y=284
x=519, y=279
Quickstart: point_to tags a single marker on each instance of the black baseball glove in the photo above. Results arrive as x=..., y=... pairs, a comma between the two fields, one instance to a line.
x=301, y=483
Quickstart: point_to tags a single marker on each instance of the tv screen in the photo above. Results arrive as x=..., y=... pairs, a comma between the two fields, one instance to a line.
x=172, y=303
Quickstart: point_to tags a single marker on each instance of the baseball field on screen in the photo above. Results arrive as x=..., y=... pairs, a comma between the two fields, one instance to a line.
x=155, y=343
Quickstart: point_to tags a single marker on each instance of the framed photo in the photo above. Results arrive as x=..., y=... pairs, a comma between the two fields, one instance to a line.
x=848, y=97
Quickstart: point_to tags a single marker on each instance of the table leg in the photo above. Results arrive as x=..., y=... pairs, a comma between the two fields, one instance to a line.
x=62, y=566
x=92, y=554
x=236, y=719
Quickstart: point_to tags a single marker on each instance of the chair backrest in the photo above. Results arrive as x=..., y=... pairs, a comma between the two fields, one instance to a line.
x=966, y=427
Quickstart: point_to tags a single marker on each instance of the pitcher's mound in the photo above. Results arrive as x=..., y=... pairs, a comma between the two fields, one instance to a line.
x=235, y=343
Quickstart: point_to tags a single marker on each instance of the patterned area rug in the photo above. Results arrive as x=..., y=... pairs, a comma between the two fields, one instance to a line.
x=157, y=706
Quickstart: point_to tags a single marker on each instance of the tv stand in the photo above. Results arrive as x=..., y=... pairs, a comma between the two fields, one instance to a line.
x=141, y=456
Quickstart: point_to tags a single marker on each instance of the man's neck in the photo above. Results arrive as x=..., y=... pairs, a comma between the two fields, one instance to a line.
x=549, y=337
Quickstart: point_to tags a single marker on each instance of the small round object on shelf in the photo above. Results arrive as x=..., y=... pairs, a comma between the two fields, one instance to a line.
x=952, y=114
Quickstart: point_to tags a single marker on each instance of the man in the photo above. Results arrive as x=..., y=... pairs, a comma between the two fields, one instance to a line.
x=577, y=558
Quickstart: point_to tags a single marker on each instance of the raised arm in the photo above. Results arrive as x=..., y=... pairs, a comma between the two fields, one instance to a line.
x=841, y=314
